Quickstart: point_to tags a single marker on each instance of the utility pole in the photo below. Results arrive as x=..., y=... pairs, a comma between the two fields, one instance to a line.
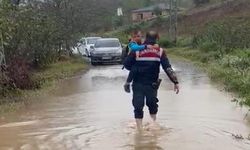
x=2, y=56
x=173, y=13
x=2, y=61
x=175, y=20
x=170, y=18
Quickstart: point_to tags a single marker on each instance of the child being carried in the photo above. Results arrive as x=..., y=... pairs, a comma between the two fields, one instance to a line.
x=150, y=44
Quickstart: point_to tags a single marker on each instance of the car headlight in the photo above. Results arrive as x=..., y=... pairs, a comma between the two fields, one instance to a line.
x=119, y=51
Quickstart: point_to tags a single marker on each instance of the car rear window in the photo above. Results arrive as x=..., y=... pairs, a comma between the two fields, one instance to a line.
x=107, y=43
x=92, y=40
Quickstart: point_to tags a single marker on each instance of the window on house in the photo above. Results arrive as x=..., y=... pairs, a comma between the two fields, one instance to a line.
x=141, y=16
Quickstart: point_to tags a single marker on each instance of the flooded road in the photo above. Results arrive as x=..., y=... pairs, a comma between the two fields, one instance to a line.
x=92, y=112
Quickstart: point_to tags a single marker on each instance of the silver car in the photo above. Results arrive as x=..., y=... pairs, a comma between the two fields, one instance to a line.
x=85, y=44
x=106, y=50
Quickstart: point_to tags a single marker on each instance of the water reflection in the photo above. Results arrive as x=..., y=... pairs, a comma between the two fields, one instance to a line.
x=150, y=138
x=143, y=141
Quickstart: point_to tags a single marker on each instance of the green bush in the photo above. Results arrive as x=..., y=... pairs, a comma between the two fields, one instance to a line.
x=165, y=42
x=224, y=36
x=184, y=41
x=30, y=34
x=233, y=80
x=231, y=69
x=32, y=37
x=207, y=46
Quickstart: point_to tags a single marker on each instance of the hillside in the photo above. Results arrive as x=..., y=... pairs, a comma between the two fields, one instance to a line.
x=198, y=17
x=194, y=20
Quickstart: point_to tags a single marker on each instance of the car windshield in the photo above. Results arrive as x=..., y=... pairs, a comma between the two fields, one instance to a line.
x=92, y=40
x=107, y=43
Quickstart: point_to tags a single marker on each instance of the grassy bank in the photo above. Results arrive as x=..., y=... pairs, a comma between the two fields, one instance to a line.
x=45, y=79
x=223, y=70
x=59, y=70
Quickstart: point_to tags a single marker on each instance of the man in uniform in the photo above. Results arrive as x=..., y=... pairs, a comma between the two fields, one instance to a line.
x=146, y=68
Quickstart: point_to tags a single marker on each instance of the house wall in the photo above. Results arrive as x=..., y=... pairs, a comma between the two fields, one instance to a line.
x=143, y=16
x=148, y=15
x=165, y=12
x=135, y=17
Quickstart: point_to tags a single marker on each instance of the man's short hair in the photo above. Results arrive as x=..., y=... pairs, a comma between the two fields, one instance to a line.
x=151, y=37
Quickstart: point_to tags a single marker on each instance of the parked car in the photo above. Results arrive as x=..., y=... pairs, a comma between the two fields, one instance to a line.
x=85, y=44
x=106, y=50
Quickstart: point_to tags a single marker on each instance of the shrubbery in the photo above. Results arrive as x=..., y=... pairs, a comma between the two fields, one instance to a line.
x=184, y=41
x=166, y=43
x=224, y=46
x=32, y=37
x=225, y=36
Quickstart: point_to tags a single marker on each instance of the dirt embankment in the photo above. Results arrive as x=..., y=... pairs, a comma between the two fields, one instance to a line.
x=195, y=19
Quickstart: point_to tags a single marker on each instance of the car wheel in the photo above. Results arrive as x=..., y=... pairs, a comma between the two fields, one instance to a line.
x=93, y=63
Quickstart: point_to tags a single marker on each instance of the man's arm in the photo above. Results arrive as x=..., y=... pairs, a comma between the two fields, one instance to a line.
x=168, y=69
x=135, y=47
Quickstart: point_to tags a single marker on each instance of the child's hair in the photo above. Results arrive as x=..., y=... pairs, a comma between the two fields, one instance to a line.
x=151, y=38
x=135, y=33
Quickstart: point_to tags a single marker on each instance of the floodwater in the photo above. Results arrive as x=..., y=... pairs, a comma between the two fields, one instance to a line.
x=92, y=112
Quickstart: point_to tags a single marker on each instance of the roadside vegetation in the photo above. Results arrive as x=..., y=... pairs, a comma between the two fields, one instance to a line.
x=224, y=48
x=37, y=41
x=221, y=43
x=44, y=80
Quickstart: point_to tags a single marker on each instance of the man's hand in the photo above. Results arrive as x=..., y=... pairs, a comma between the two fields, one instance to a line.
x=176, y=88
x=126, y=87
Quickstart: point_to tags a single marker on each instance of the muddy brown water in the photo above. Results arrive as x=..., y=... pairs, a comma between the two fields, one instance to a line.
x=92, y=112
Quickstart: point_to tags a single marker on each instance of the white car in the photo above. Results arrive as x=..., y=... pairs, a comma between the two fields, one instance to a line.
x=106, y=50
x=85, y=44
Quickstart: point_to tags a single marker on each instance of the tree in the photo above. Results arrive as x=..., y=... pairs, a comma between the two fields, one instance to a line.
x=147, y=3
x=15, y=2
x=117, y=21
x=157, y=11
